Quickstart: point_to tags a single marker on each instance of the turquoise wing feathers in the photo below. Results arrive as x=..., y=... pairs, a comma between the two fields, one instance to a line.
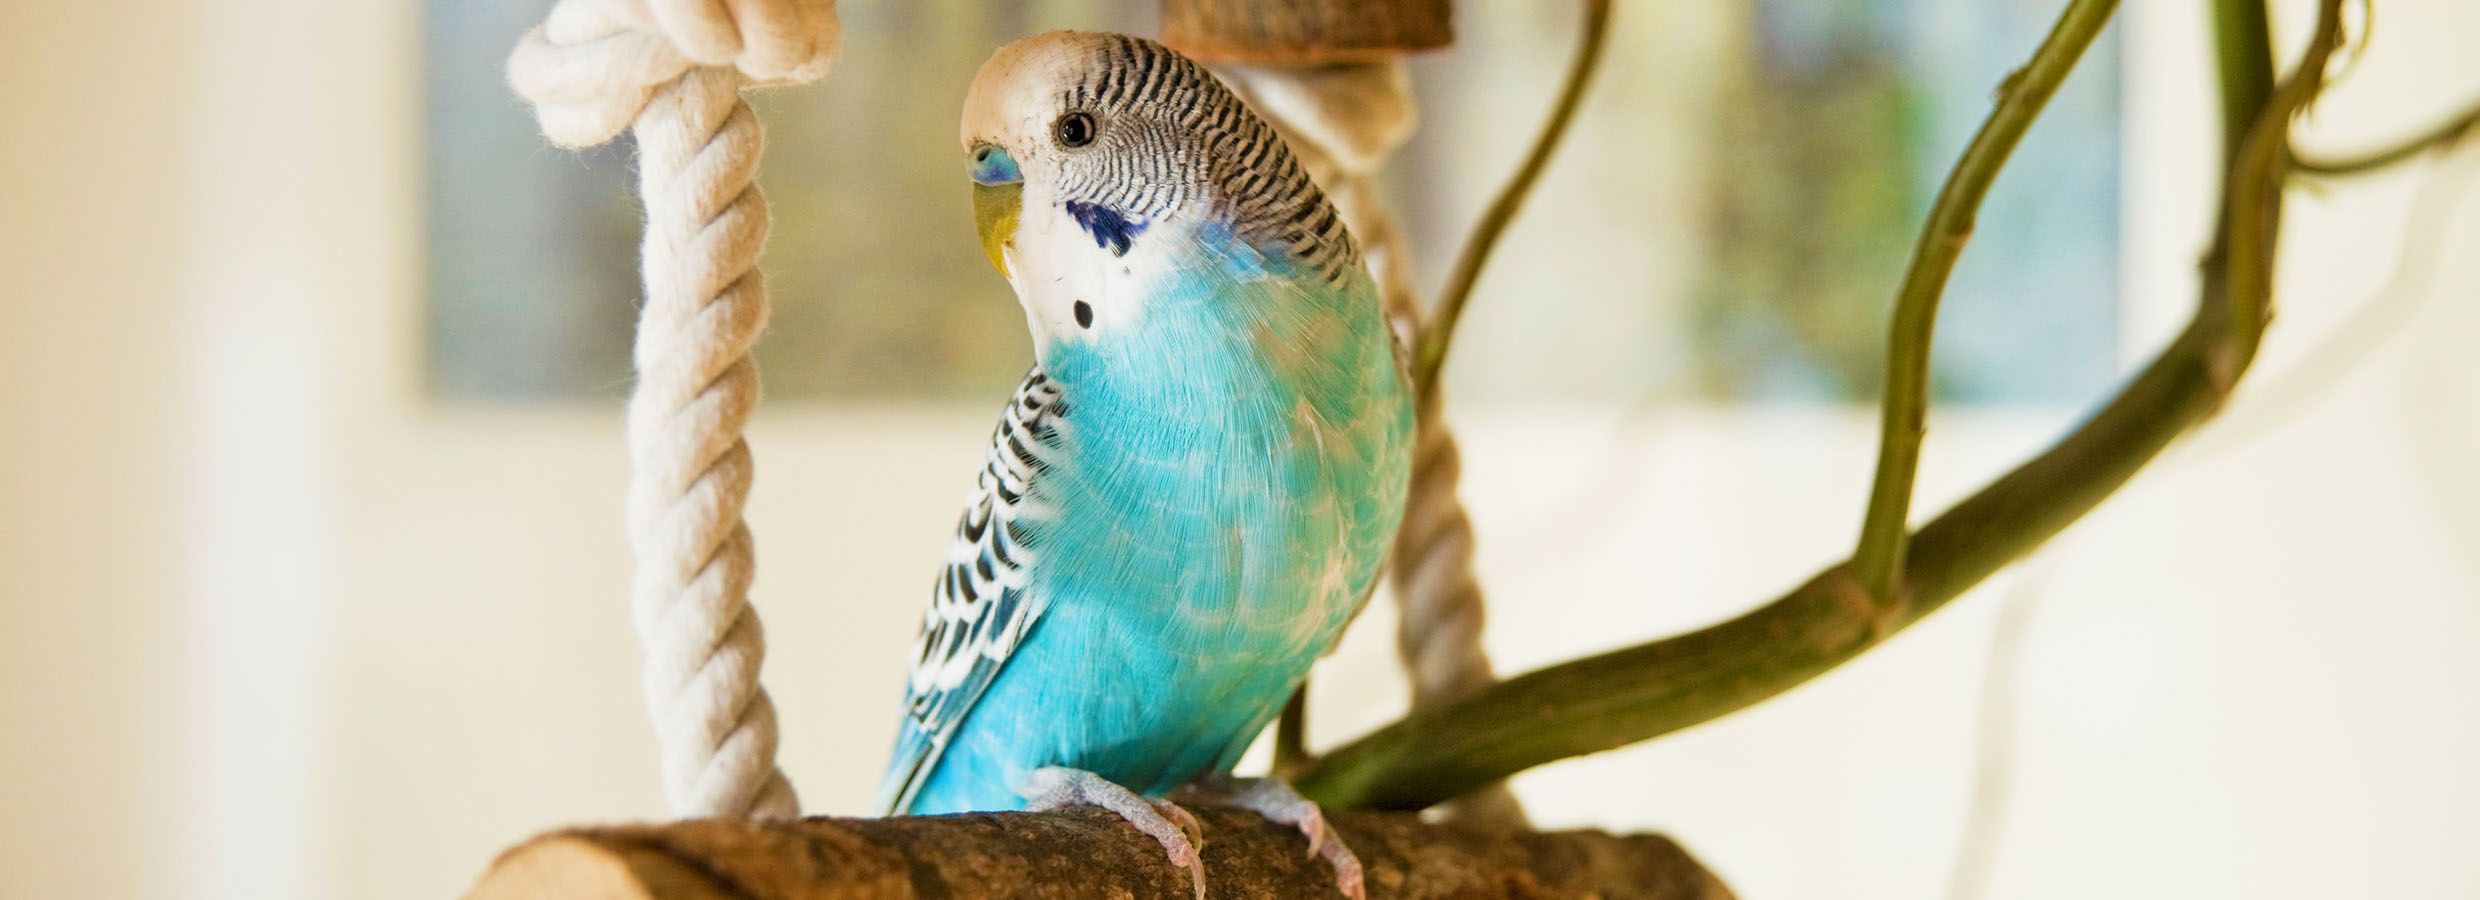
x=980, y=610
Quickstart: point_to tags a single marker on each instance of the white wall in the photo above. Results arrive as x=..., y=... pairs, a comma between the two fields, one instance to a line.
x=93, y=633
x=271, y=624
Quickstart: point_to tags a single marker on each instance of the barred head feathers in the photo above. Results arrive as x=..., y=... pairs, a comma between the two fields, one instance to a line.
x=1127, y=132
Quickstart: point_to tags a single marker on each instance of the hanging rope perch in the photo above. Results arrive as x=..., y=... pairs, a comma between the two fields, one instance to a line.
x=671, y=71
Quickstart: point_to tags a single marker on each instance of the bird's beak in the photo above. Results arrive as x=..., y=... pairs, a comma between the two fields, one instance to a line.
x=995, y=208
x=998, y=200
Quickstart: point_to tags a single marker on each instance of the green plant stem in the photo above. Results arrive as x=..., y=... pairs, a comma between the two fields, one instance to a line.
x=1291, y=734
x=2252, y=201
x=1629, y=695
x=2243, y=53
x=1429, y=353
x=1885, y=528
x=2443, y=136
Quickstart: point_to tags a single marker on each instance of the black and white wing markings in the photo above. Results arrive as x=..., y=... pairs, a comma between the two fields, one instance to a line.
x=979, y=609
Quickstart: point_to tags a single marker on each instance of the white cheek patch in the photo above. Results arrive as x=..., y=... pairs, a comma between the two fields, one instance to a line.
x=1072, y=288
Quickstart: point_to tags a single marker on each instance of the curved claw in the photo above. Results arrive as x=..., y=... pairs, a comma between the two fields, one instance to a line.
x=1052, y=787
x=1180, y=816
x=1279, y=803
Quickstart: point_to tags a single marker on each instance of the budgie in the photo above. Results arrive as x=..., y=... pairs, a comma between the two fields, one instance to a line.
x=1191, y=492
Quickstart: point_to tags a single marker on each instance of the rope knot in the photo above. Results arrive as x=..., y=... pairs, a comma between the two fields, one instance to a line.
x=593, y=64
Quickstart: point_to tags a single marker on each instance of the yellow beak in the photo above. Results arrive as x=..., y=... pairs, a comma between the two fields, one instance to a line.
x=995, y=209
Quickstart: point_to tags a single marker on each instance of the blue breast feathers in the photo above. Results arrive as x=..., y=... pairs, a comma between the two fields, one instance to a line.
x=1112, y=230
x=1226, y=473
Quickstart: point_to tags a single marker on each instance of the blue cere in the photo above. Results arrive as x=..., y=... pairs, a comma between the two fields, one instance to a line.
x=993, y=166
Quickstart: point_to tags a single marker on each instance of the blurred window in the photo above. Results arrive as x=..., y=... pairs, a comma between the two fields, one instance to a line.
x=1728, y=222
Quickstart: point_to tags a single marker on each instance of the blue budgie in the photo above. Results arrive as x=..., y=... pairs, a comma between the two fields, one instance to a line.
x=1192, y=491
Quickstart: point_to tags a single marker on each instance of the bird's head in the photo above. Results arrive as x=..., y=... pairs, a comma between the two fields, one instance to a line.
x=1091, y=154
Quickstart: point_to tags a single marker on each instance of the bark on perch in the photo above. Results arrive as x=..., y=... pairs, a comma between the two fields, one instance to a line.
x=1082, y=852
x=1304, y=32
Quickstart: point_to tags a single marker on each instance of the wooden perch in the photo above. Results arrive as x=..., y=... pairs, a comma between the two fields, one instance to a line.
x=1304, y=32
x=1080, y=852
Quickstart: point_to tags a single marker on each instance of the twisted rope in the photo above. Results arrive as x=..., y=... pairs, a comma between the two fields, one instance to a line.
x=1344, y=122
x=672, y=71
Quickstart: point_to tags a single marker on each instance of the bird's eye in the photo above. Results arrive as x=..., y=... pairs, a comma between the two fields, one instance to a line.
x=1075, y=129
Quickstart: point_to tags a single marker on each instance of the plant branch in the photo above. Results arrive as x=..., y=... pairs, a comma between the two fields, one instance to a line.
x=2252, y=211
x=1291, y=734
x=1629, y=695
x=1430, y=352
x=1885, y=528
x=1079, y=852
x=2444, y=136
x=2243, y=52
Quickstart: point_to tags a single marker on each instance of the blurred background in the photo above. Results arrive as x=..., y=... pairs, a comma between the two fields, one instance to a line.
x=311, y=565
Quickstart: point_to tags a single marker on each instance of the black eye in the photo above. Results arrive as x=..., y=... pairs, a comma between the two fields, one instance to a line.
x=1084, y=315
x=1075, y=129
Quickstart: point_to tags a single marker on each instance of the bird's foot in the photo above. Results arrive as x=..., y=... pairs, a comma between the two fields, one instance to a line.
x=1052, y=787
x=1276, y=800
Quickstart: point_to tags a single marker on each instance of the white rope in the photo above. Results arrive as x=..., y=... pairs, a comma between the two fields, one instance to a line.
x=672, y=72
x=1344, y=122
